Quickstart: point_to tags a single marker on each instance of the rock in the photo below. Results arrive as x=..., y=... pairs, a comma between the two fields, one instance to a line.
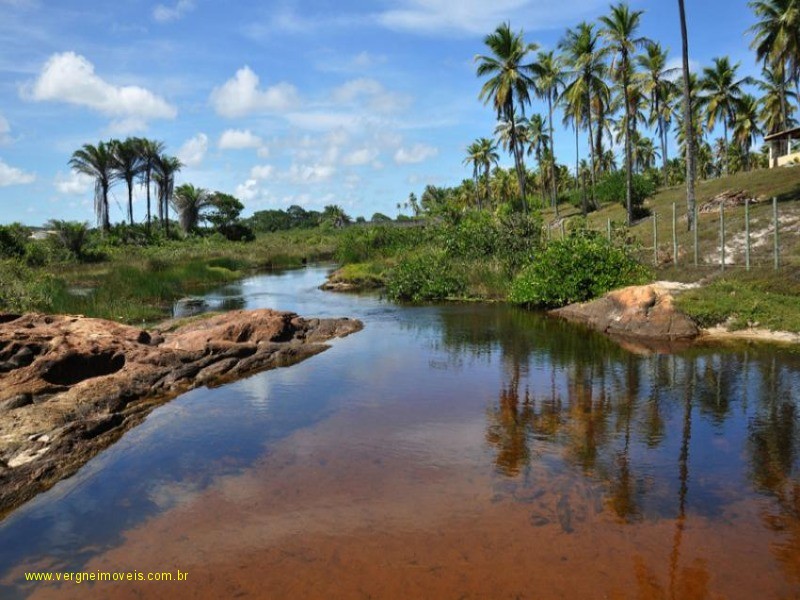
x=642, y=316
x=82, y=382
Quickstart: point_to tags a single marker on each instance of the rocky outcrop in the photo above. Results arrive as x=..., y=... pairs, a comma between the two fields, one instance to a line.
x=71, y=385
x=644, y=318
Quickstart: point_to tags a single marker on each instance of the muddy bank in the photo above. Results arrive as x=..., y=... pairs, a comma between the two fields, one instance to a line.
x=70, y=385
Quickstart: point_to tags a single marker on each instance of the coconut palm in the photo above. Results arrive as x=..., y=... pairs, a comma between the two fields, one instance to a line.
x=97, y=162
x=509, y=85
x=487, y=157
x=688, y=121
x=620, y=32
x=475, y=158
x=164, y=170
x=189, y=202
x=746, y=127
x=127, y=164
x=657, y=83
x=721, y=94
x=776, y=110
x=149, y=151
x=586, y=78
x=644, y=152
x=777, y=43
x=548, y=79
x=537, y=141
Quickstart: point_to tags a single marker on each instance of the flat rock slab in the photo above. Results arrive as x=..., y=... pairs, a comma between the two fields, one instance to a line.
x=71, y=385
x=643, y=318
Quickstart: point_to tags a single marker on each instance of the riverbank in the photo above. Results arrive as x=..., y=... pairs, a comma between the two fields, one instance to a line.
x=71, y=386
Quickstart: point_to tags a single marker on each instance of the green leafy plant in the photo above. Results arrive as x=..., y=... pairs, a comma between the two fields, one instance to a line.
x=425, y=277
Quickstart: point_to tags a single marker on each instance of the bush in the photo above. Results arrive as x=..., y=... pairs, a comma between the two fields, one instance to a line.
x=237, y=232
x=361, y=244
x=425, y=277
x=12, y=241
x=611, y=188
x=581, y=267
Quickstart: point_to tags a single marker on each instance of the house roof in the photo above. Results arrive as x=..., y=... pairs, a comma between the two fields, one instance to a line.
x=782, y=134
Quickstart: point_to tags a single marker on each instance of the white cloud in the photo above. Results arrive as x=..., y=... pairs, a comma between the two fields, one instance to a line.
x=164, y=14
x=5, y=131
x=480, y=16
x=239, y=139
x=676, y=63
x=263, y=152
x=415, y=154
x=240, y=96
x=70, y=78
x=247, y=190
x=372, y=93
x=12, y=176
x=359, y=157
x=310, y=174
x=73, y=184
x=260, y=172
x=194, y=150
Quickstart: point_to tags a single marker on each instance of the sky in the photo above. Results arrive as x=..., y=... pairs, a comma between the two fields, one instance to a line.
x=280, y=102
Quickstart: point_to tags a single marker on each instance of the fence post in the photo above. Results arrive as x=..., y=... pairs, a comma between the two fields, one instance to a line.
x=674, y=235
x=563, y=230
x=722, y=236
x=777, y=234
x=747, y=233
x=609, y=230
x=655, y=239
x=696, y=227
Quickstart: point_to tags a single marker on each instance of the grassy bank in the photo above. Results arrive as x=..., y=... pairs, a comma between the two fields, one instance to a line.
x=134, y=284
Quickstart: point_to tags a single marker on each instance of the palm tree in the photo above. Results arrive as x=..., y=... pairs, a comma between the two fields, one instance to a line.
x=776, y=111
x=746, y=127
x=656, y=80
x=164, y=170
x=548, y=79
x=487, y=157
x=97, y=162
x=619, y=30
x=587, y=72
x=149, y=151
x=537, y=140
x=688, y=122
x=127, y=164
x=509, y=85
x=722, y=93
x=474, y=158
x=189, y=202
x=777, y=42
x=644, y=152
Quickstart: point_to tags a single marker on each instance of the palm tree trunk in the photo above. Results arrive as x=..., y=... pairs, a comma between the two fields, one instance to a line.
x=688, y=123
x=518, y=162
x=106, y=221
x=628, y=153
x=553, y=183
x=664, y=154
x=130, y=201
x=591, y=152
x=663, y=138
x=147, y=185
x=487, y=188
x=577, y=157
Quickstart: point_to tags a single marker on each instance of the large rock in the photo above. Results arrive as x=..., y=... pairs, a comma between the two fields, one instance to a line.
x=644, y=314
x=71, y=385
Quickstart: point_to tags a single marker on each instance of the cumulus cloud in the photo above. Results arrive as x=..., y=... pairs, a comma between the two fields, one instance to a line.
x=5, y=130
x=241, y=95
x=310, y=173
x=247, y=190
x=239, y=139
x=13, y=176
x=372, y=93
x=164, y=14
x=415, y=154
x=362, y=156
x=260, y=172
x=194, y=150
x=73, y=184
x=70, y=78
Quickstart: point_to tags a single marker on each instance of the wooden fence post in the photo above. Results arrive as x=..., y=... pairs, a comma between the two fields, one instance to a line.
x=722, y=236
x=655, y=239
x=674, y=234
x=609, y=230
x=747, y=233
x=694, y=236
x=777, y=234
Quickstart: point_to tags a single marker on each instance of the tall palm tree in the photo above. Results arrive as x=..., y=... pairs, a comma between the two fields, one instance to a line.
x=644, y=152
x=509, y=85
x=189, y=202
x=721, y=94
x=777, y=42
x=474, y=158
x=97, y=162
x=127, y=164
x=587, y=71
x=657, y=82
x=688, y=121
x=149, y=152
x=164, y=170
x=537, y=140
x=488, y=157
x=776, y=110
x=620, y=32
x=746, y=127
x=548, y=79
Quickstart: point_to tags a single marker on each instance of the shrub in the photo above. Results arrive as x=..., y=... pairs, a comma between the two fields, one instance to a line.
x=12, y=241
x=611, y=188
x=425, y=277
x=581, y=267
x=237, y=232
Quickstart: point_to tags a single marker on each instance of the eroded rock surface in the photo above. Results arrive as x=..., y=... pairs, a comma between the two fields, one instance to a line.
x=71, y=385
x=644, y=317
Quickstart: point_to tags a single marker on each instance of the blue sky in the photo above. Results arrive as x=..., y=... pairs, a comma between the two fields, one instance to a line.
x=308, y=102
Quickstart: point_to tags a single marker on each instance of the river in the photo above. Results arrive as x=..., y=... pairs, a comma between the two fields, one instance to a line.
x=449, y=451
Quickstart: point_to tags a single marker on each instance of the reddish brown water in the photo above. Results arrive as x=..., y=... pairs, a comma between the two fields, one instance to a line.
x=444, y=452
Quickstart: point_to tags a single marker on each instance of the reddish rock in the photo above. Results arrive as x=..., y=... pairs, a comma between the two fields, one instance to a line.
x=71, y=385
